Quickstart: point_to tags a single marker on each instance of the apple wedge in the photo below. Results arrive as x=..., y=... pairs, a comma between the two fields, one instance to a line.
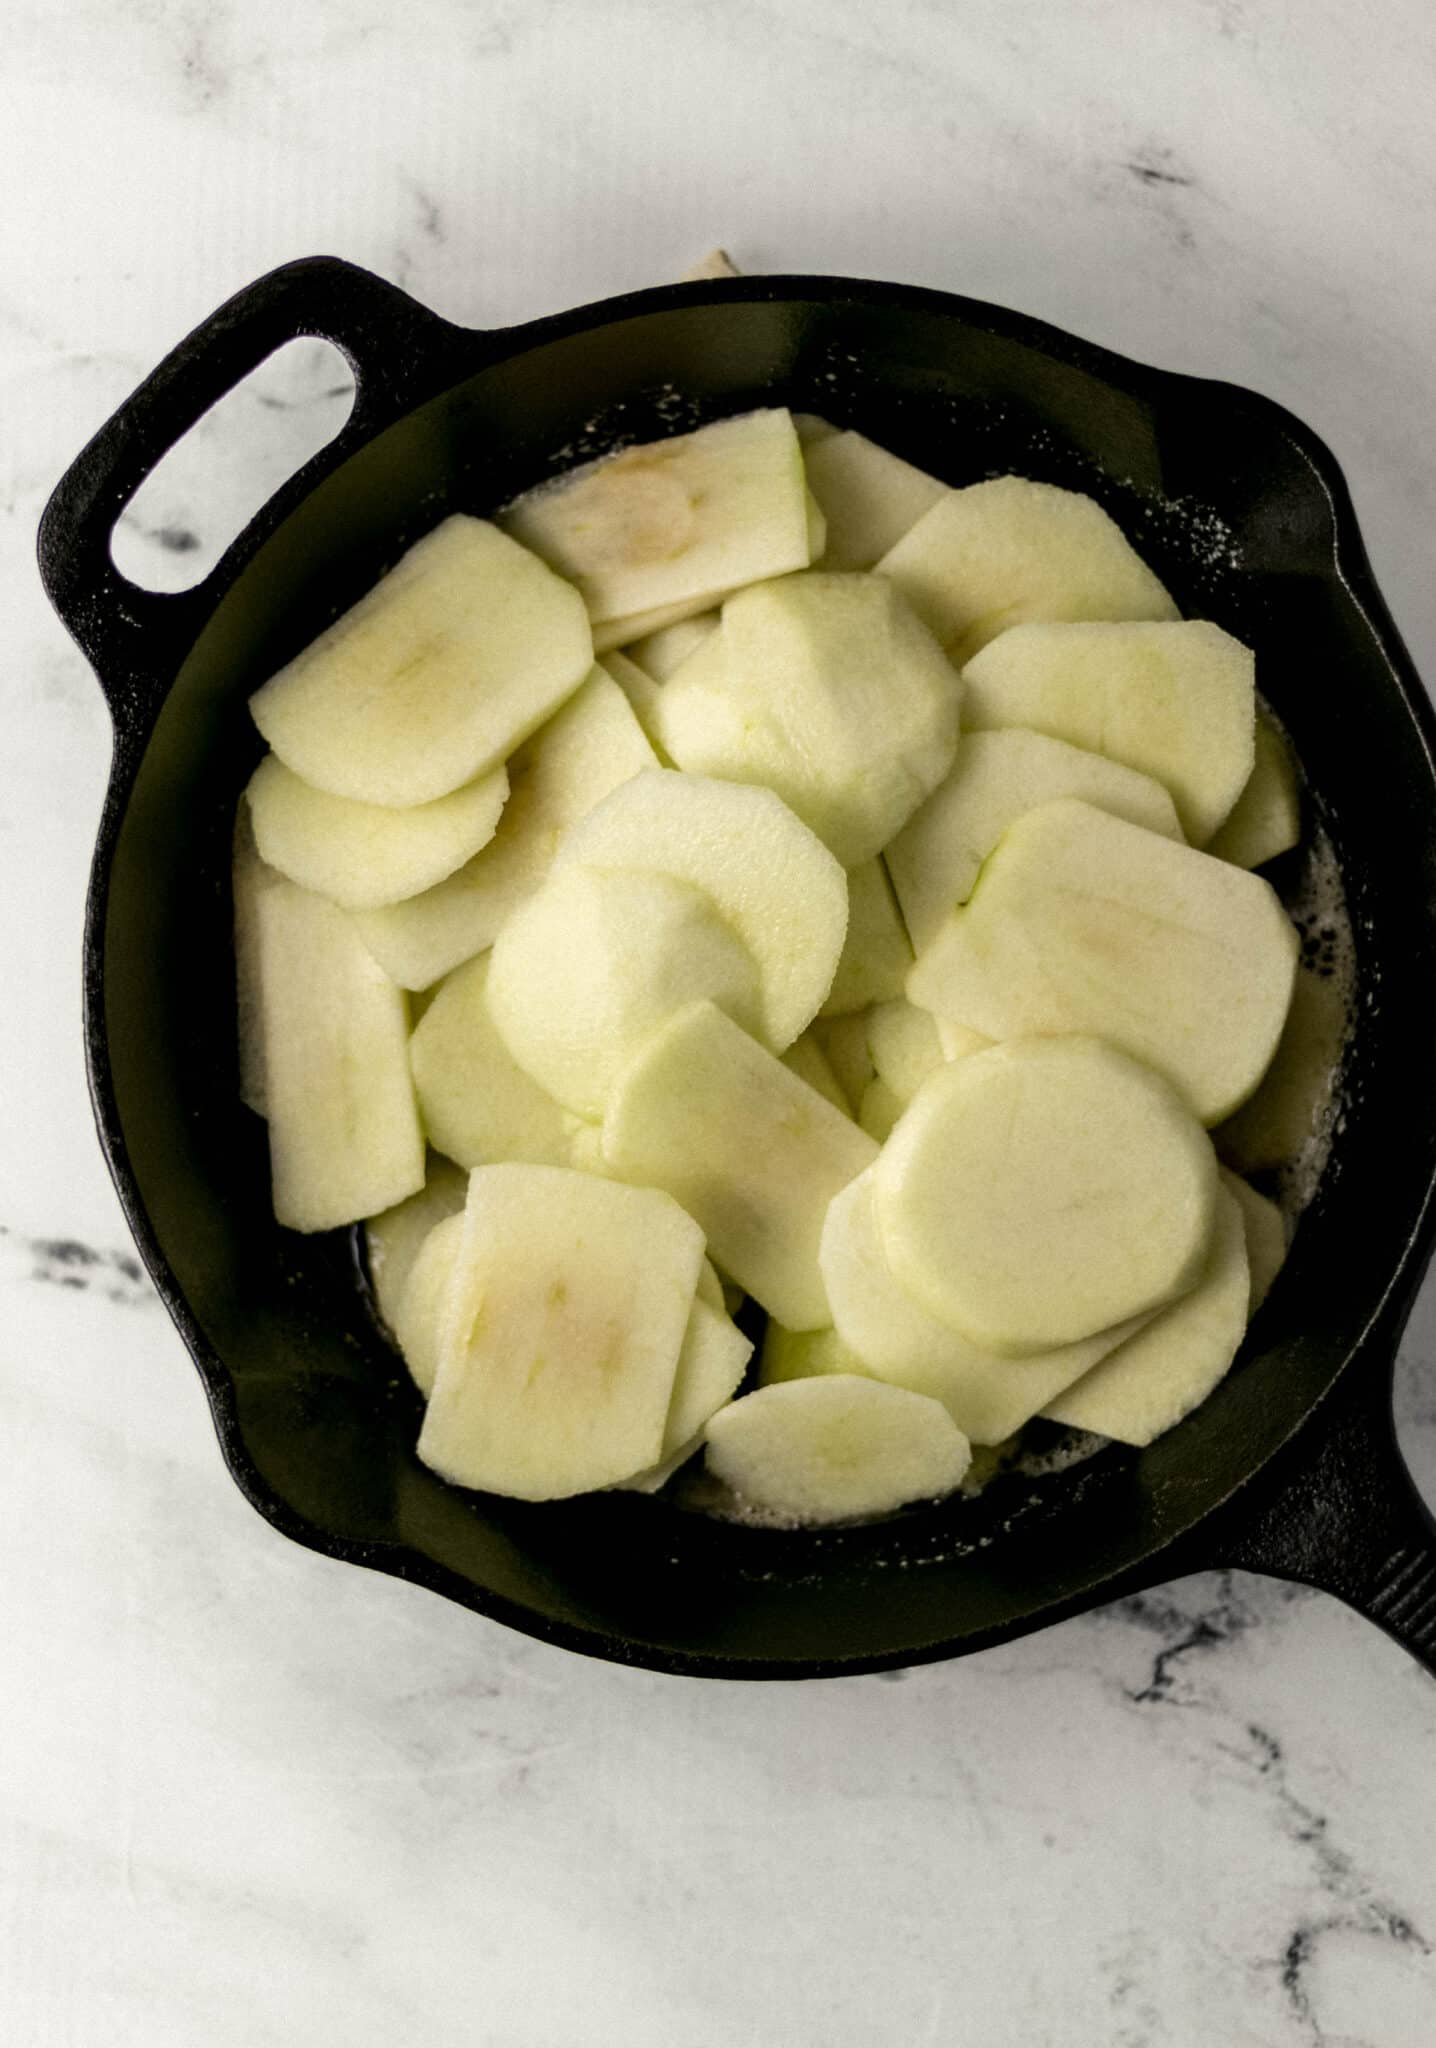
x=1173, y=699
x=835, y=1449
x=997, y=553
x=1082, y=922
x=479, y=1106
x=749, y=1149
x=1037, y=1193
x=870, y=497
x=435, y=676
x=1266, y=818
x=771, y=878
x=935, y=860
x=590, y=747
x=563, y=1324
x=876, y=953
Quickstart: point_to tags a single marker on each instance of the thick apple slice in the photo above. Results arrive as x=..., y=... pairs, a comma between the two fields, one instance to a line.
x=750, y=1150
x=1082, y=922
x=894, y=1338
x=479, y=1106
x=1175, y=700
x=835, y=1449
x=363, y=855
x=1037, y=1193
x=662, y=652
x=1155, y=1378
x=674, y=520
x=876, y=953
x=775, y=882
x=418, y=1318
x=1265, y=1228
x=563, y=1325
x=435, y=676
x=710, y=1371
x=393, y=1238
x=904, y=1044
x=869, y=496
x=595, y=961
x=1266, y=818
x=994, y=554
x=344, y=1134
x=590, y=747
x=935, y=859
x=827, y=689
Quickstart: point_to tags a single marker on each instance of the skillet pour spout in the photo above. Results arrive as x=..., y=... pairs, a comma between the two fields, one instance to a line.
x=1290, y=1467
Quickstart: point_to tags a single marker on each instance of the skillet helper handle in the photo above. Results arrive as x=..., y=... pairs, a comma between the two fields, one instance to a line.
x=1347, y=1518
x=134, y=639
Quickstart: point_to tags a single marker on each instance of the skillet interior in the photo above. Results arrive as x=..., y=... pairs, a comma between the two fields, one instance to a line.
x=1240, y=512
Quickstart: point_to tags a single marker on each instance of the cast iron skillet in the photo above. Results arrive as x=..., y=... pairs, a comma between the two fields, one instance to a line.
x=1290, y=1468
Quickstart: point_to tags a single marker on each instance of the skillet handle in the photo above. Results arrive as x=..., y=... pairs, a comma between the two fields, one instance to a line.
x=398, y=350
x=1346, y=1517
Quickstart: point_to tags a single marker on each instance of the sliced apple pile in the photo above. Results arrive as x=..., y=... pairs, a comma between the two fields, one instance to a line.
x=843, y=941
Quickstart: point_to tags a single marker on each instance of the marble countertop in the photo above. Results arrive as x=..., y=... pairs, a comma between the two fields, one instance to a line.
x=251, y=1796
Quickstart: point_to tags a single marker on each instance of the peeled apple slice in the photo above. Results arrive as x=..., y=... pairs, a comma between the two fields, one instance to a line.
x=1038, y=1193
x=478, y=1104
x=776, y=884
x=344, y=1134
x=1265, y=1228
x=709, y=1373
x=590, y=747
x=362, y=855
x=997, y=553
x=876, y=953
x=934, y=861
x=806, y=1058
x=1082, y=922
x=803, y=1354
x=870, y=498
x=392, y=1239
x=1276, y=1125
x=418, y=1318
x=562, y=1329
x=662, y=652
x=904, y=1044
x=751, y=1151
x=1175, y=700
x=880, y=1109
x=435, y=676
x=1266, y=818
x=612, y=636
x=595, y=961
x=845, y=1041
x=827, y=689
x=834, y=1449
x=673, y=520
x=1155, y=1378
x=879, y=1324
x=249, y=879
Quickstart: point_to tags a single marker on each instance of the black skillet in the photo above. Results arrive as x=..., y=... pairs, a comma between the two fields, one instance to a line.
x=1290, y=1468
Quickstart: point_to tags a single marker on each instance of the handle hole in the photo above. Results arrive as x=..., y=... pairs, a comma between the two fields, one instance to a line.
x=206, y=488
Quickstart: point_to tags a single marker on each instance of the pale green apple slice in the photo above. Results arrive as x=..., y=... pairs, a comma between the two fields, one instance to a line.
x=878, y=1323
x=1173, y=699
x=1266, y=818
x=363, y=855
x=562, y=1330
x=613, y=636
x=835, y=1449
x=435, y=676
x=750, y=1150
x=344, y=1134
x=590, y=747
x=771, y=878
x=662, y=652
x=934, y=861
x=1037, y=1193
x=595, y=961
x=905, y=1045
x=803, y=1354
x=1286, y=1112
x=876, y=953
x=673, y=520
x=806, y=1058
x=418, y=1318
x=478, y=1104
x=997, y=553
x=1265, y=1228
x=1155, y=1378
x=1083, y=922
x=642, y=692
x=828, y=689
x=393, y=1238
x=249, y=879
x=880, y=1109
x=710, y=1371
x=869, y=496
x=845, y=1041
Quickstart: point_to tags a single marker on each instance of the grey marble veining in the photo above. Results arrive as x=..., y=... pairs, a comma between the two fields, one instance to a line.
x=251, y=1797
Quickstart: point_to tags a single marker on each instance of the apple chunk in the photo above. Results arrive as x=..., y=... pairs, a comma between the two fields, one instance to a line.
x=996, y=553
x=1174, y=699
x=1037, y=1193
x=1082, y=922
x=747, y=1147
x=435, y=676
x=563, y=1324
x=480, y=1106
x=835, y=1449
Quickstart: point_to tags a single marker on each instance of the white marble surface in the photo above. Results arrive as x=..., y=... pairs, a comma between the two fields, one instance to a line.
x=252, y=1797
